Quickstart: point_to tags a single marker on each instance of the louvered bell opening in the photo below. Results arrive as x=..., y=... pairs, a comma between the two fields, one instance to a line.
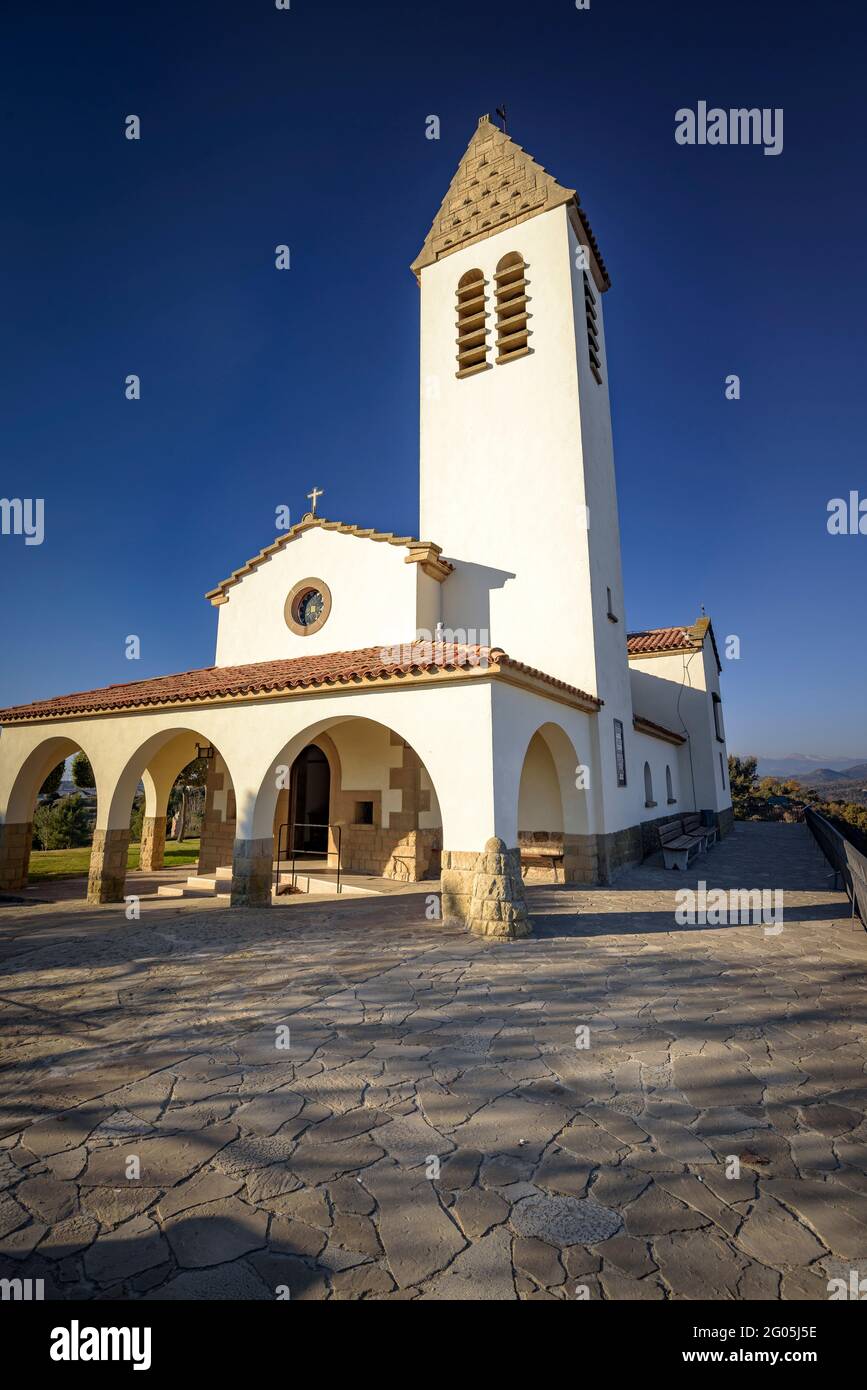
x=592, y=320
x=512, y=301
x=471, y=320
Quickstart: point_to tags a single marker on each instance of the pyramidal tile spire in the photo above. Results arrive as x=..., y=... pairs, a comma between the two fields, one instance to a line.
x=497, y=185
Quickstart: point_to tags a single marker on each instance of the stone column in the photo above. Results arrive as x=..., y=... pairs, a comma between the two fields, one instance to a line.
x=107, y=878
x=216, y=846
x=153, y=843
x=15, y=841
x=252, y=873
x=485, y=891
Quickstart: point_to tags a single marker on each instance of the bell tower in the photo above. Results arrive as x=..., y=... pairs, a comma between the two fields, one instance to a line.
x=517, y=469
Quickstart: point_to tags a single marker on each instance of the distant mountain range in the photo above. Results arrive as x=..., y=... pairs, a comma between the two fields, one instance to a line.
x=809, y=767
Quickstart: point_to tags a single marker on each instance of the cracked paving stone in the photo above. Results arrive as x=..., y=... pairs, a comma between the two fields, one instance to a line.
x=21, y=1243
x=698, y=1264
x=460, y=1170
x=164, y=1161
x=303, y=1280
x=831, y=1120
x=410, y=1140
x=564, y=1220
x=840, y=1223
x=69, y=1237
x=538, y=1260
x=349, y=1194
x=654, y=1213
x=112, y=1205
x=314, y=1162
x=418, y=1237
x=363, y=1281
x=228, y=1282
x=290, y=1237
x=205, y=1187
x=629, y=1254
x=12, y=1214
x=135, y=1246
x=269, y=1113
x=46, y=1198
x=215, y=1232
x=353, y=1231
x=562, y=1172
x=477, y=1210
x=265, y=1186
x=481, y=1272
x=621, y=1287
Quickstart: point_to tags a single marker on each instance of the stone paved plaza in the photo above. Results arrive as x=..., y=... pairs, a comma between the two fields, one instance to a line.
x=416, y=1050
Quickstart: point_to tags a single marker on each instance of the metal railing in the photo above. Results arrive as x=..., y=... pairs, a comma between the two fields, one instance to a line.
x=848, y=863
x=289, y=827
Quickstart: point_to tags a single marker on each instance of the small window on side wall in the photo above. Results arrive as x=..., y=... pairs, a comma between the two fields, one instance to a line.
x=472, y=308
x=364, y=813
x=669, y=789
x=717, y=718
x=648, y=786
x=722, y=769
x=619, y=753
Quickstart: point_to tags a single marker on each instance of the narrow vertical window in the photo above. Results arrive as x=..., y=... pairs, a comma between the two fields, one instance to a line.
x=717, y=717
x=512, y=301
x=648, y=786
x=592, y=318
x=669, y=789
x=471, y=323
x=722, y=769
x=619, y=753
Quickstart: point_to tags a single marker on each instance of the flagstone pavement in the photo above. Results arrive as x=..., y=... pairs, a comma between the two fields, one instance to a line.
x=345, y=1099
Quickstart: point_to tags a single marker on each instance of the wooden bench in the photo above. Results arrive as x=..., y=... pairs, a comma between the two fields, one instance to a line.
x=539, y=857
x=692, y=826
x=677, y=848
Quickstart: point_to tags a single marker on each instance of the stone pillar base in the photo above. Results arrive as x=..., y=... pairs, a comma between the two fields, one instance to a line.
x=252, y=873
x=485, y=892
x=15, y=841
x=107, y=878
x=153, y=843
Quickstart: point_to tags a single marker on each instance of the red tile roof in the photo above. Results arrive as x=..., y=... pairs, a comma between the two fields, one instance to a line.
x=672, y=639
x=661, y=639
x=368, y=665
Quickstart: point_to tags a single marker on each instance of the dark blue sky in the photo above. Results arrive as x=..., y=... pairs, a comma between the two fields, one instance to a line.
x=307, y=127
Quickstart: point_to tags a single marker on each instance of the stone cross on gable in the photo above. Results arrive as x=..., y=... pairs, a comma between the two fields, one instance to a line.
x=314, y=498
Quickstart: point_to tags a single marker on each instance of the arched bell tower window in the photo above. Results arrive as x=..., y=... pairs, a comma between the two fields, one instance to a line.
x=512, y=301
x=472, y=328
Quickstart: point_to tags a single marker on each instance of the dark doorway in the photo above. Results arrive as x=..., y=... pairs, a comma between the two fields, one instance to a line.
x=309, y=800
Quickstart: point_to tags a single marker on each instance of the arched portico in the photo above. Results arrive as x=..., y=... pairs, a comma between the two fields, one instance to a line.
x=384, y=812
x=19, y=789
x=156, y=762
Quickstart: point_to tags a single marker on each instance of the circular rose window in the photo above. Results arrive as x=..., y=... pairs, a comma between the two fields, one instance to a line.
x=307, y=607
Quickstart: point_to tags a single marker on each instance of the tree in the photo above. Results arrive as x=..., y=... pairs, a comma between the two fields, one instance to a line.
x=64, y=824
x=191, y=779
x=743, y=784
x=51, y=786
x=82, y=772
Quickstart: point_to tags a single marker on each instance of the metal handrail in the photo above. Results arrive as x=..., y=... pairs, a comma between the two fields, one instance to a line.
x=290, y=826
x=848, y=863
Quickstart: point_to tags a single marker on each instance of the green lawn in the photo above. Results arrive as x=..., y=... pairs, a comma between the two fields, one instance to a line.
x=74, y=863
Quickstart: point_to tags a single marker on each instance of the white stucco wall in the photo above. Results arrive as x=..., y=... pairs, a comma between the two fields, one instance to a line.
x=676, y=691
x=375, y=599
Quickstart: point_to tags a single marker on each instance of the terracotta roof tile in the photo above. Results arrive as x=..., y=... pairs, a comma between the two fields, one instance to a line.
x=660, y=639
x=294, y=674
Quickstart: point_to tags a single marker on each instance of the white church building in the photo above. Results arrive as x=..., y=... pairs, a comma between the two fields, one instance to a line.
x=467, y=707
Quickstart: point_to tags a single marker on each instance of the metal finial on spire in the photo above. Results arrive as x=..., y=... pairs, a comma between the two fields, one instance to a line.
x=314, y=498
